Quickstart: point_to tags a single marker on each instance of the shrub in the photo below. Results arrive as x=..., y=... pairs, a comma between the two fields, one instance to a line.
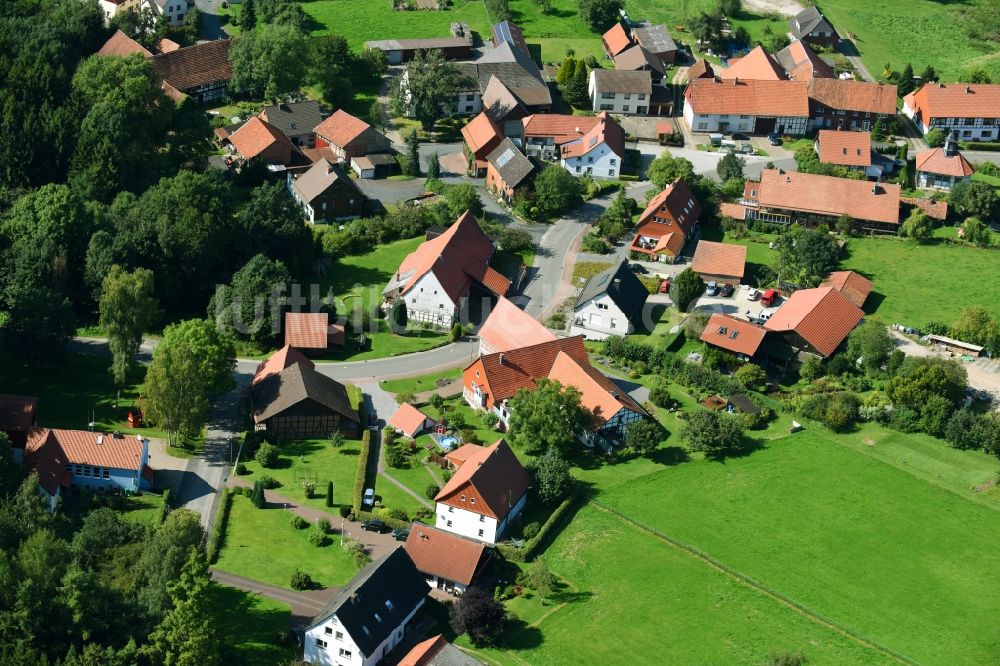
x=345, y=510
x=309, y=487
x=164, y=506
x=394, y=457
x=490, y=419
x=431, y=491
x=299, y=523
x=393, y=514
x=329, y=493
x=323, y=525
x=267, y=455
x=318, y=539
x=468, y=436
x=531, y=530
x=301, y=580
x=361, y=474
x=257, y=495
x=659, y=395
x=218, y=535
x=241, y=469
x=269, y=482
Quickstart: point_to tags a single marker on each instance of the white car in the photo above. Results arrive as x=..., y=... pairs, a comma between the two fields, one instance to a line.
x=369, y=498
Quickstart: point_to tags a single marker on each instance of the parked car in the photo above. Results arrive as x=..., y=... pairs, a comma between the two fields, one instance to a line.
x=369, y=497
x=753, y=295
x=774, y=139
x=639, y=268
x=769, y=297
x=664, y=286
x=712, y=289
x=375, y=525
x=401, y=534
x=739, y=136
x=726, y=291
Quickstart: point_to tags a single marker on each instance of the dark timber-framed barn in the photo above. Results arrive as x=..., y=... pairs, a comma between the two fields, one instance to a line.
x=301, y=403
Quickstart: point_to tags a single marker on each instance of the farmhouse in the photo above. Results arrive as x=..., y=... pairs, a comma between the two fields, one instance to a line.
x=436, y=651
x=369, y=616
x=599, y=152
x=70, y=459
x=616, y=40
x=447, y=561
x=849, y=105
x=544, y=134
x=296, y=120
x=18, y=414
x=811, y=27
x=785, y=197
x=484, y=496
x=854, y=286
x=734, y=335
x=398, y=51
x=942, y=168
x=657, y=41
x=853, y=151
x=723, y=263
x=757, y=65
x=508, y=171
x=802, y=64
x=509, y=85
x=283, y=358
x=638, y=58
x=326, y=193
x=815, y=321
x=621, y=91
x=510, y=33
x=348, y=136
x=260, y=140
x=298, y=403
x=663, y=227
x=609, y=304
x=481, y=136
x=201, y=71
x=970, y=110
x=509, y=327
x=437, y=279
x=758, y=107
x=311, y=331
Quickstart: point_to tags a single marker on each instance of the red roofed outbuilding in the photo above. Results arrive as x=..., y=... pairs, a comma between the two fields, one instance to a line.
x=448, y=561
x=734, y=335
x=724, y=263
x=616, y=40
x=854, y=286
x=409, y=420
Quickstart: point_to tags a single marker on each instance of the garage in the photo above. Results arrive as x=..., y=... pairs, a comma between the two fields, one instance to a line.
x=763, y=125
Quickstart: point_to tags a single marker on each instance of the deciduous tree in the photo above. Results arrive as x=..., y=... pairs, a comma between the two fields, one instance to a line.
x=714, y=433
x=870, y=344
x=555, y=190
x=643, y=436
x=731, y=165
x=553, y=479
x=685, y=289
x=250, y=306
x=269, y=61
x=429, y=89
x=666, y=168
x=186, y=636
x=127, y=309
x=478, y=615
x=550, y=415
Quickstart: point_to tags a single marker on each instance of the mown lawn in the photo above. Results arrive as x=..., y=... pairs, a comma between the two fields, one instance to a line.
x=419, y=384
x=386, y=343
x=261, y=544
x=357, y=282
x=144, y=508
x=249, y=626
x=873, y=546
x=316, y=461
x=360, y=22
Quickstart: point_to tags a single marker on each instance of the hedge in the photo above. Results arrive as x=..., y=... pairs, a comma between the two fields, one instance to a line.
x=362, y=474
x=628, y=177
x=218, y=535
x=532, y=546
x=165, y=506
x=978, y=145
x=391, y=522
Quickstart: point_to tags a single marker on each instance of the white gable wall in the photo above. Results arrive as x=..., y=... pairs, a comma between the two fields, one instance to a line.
x=466, y=523
x=427, y=301
x=599, y=162
x=324, y=648
x=599, y=318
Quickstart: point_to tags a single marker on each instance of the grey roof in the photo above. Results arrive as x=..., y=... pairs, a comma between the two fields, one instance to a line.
x=655, y=38
x=808, y=20
x=512, y=164
x=508, y=31
x=500, y=103
x=376, y=601
x=515, y=69
x=294, y=118
x=744, y=404
x=637, y=58
x=623, y=81
x=621, y=285
x=374, y=160
x=318, y=178
x=449, y=655
x=276, y=393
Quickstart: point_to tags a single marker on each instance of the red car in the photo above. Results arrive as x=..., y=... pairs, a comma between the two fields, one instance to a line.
x=664, y=286
x=767, y=300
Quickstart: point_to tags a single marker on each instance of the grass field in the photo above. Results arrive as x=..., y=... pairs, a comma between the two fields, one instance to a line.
x=358, y=281
x=249, y=626
x=317, y=461
x=360, y=22
x=253, y=534
x=144, y=508
x=419, y=384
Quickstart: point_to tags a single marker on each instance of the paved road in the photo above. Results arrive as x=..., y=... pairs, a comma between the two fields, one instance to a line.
x=211, y=23
x=304, y=605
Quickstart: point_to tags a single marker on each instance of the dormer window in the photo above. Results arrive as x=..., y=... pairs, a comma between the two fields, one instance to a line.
x=388, y=604
x=378, y=617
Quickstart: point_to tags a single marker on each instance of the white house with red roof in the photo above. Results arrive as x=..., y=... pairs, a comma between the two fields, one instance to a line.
x=599, y=152
x=971, y=110
x=484, y=496
x=942, y=168
x=447, y=561
x=437, y=279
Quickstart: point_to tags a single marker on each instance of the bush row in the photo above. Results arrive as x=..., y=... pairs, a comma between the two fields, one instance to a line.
x=165, y=506
x=976, y=145
x=362, y=473
x=394, y=523
x=218, y=535
x=534, y=544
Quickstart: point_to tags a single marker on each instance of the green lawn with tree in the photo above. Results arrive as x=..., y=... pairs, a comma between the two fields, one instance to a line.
x=368, y=21
x=312, y=461
x=249, y=626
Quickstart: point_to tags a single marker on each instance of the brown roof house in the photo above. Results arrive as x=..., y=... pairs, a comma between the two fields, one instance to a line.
x=942, y=168
x=296, y=120
x=326, y=193
x=312, y=332
x=621, y=91
x=509, y=327
x=638, y=58
x=398, y=51
x=815, y=321
x=724, y=263
x=663, y=227
x=285, y=357
x=849, y=105
x=484, y=496
x=18, y=414
x=348, y=136
x=740, y=337
x=201, y=71
x=299, y=403
x=854, y=286
x=260, y=140
x=437, y=279
x=448, y=562
x=120, y=44
x=508, y=171
x=656, y=40
x=481, y=136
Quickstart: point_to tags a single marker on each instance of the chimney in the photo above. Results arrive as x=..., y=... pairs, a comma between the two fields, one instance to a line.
x=100, y=439
x=618, y=282
x=950, y=149
x=968, y=90
x=736, y=81
x=500, y=360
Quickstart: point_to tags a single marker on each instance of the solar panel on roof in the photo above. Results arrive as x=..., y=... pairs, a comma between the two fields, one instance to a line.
x=503, y=159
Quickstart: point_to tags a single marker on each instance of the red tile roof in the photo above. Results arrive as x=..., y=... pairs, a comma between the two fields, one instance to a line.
x=852, y=95
x=459, y=456
x=735, y=335
x=955, y=100
x=508, y=372
x=616, y=40
x=509, y=327
x=481, y=134
x=342, y=128
x=494, y=476
x=408, y=420
x=492, y=280
x=193, y=66
x=17, y=412
x=456, y=257
x=829, y=195
x=937, y=161
x=854, y=286
x=700, y=69
x=725, y=259
x=756, y=65
x=606, y=131
x=423, y=652
x=120, y=44
x=278, y=361
x=748, y=97
x=256, y=136
x=307, y=330
x=562, y=128
x=806, y=64
x=670, y=244
x=733, y=210
x=845, y=148
x=443, y=554
x=670, y=204
x=823, y=317
x=603, y=403
x=935, y=209
x=48, y=451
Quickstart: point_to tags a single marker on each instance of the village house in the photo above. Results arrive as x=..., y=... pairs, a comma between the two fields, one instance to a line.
x=297, y=401
x=484, y=496
x=616, y=40
x=120, y=44
x=172, y=11
x=722, y=263
x=754, y=107
x=201, y=71
x=312, y=332
x=325, y=193
x=509, y=85
x=296, y=120
x=815, y=321
x=18, y=415
x=509, y=327
x=657, y=41
x=610, y=303
x=664, y=226
x=784, y=197
x=802, y=64
x=510, y=33
x=600, y=152
x=257, y=139
x=508, y=171
x=742, y=338
x=348, y=136
x=110, y=8
x=638, y=58
x=853, y=151
x=942, y=168
x=67, y=460
x=854, y=286
x=437, y=279
x=811, y=27
x=481, y=136
x=757, y=65
x=456, y=47
x=849, y=105
x=620, y=91
x=493, y=379
x=543, y=135
x=409, y=421
x=369, y=616
x=970, y=110
x=436, y=651
x=448, y=562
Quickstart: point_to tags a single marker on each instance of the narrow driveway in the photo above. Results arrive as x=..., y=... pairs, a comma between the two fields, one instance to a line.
x=211, y=22
x=304, y=605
